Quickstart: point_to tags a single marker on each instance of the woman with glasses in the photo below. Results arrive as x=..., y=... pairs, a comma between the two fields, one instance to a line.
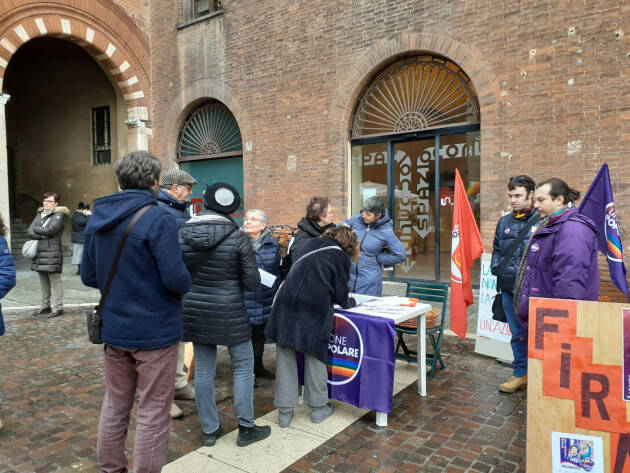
x=47, y=228
x=258, y=302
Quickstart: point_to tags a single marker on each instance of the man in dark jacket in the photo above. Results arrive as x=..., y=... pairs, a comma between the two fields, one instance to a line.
x=175, y=190
x=222, y=263
x=521, y=197
x=142, y=316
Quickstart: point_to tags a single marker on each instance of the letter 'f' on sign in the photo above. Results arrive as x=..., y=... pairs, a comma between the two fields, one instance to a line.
x=543, y=314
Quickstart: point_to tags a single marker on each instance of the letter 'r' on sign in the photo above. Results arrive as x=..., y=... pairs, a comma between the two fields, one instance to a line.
x=549, y=316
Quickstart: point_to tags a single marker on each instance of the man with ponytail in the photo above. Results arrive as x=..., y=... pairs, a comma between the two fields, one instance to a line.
x=561, y=259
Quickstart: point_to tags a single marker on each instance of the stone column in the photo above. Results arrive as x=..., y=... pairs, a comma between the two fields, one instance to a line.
x=4, y=168
x=139, y=133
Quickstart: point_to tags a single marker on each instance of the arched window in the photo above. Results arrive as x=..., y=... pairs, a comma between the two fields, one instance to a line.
x=417, y=94
x=408, y=111
x=210, y=131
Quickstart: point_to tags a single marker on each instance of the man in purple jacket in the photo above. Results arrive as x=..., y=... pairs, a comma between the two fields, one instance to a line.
x=561, y=261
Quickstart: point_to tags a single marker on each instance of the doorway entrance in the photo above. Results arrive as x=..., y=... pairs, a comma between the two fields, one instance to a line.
x=413, y=126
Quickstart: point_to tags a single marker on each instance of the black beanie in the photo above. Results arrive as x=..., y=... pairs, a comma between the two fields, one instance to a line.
x=222, y=198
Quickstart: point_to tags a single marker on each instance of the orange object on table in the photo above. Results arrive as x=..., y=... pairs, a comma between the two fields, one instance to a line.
x=412, y=302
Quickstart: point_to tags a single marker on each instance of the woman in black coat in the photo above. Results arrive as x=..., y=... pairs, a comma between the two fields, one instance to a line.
x=318, y=219
x=47, y=228
x=222, y=264
x=302, y=319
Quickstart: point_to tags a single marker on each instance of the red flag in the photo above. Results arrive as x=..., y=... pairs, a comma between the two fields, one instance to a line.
x=466, y=246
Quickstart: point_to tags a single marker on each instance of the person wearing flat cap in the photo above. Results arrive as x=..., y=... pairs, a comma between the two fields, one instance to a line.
x=222, y=263
x=175, y=190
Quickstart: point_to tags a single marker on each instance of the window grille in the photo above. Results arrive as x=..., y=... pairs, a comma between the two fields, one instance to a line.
x=201, y=8
x=101, y=141
x=210, y=131
x=416, y=94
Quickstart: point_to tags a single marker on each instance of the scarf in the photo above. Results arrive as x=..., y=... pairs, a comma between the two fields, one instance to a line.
x=257, y=243
x=45, y=213
x=518, y=283
x=525, y=212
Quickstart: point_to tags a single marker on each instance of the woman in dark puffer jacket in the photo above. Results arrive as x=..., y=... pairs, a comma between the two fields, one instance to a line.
x=258, y=302
x=222, y=264
x=47, y=228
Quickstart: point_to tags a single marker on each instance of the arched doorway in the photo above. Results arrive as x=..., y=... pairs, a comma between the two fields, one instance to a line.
x=411, y=109
x=210, y=149
x=65, y=127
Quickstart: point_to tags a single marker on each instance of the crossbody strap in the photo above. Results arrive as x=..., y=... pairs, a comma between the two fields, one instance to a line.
x=512, y=249
x=121, y=245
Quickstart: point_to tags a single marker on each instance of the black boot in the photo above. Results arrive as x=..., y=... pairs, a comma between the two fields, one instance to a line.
x=259, y=369
x=78, y=269
x=249, y=435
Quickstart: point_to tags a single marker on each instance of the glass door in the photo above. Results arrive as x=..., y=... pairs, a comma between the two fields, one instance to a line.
x=419, y=193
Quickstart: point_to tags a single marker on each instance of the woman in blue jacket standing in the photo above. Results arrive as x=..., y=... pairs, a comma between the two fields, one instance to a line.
x=379, y=247
x=258, y=302
x=7, y=281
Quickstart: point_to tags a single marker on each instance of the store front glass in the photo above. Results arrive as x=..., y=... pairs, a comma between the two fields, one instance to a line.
x=402, y=168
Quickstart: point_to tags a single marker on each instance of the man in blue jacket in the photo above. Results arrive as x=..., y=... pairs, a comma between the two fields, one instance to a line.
x=521, y=197
x=175, y=190
x=142, y=316
x=379, y=247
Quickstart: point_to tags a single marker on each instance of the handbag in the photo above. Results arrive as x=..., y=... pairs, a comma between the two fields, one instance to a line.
x=94, y=314
x=29, y=250
x=498, y=313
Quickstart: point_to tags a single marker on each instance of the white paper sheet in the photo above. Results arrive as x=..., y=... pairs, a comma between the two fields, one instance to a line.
x=266, y=279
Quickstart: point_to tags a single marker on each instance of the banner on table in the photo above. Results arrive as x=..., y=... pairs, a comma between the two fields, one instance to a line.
x=360, y=361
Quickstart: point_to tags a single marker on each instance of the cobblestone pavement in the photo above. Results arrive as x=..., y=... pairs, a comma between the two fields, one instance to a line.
x=52, y=380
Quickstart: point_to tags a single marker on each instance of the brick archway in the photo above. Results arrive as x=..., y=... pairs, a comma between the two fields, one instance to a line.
x=103, y=31
x=390, y=49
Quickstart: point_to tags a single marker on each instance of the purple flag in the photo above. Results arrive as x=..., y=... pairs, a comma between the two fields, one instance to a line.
x=598, y=204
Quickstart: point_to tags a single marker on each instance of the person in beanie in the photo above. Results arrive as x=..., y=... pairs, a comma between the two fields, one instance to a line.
x=175, y=191
x=222, y=264
x=142, y=315
x=521, y=197
x=258, y=302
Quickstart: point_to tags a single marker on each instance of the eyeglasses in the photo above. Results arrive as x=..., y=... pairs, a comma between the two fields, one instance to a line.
x=49, y=201
x=252, y=219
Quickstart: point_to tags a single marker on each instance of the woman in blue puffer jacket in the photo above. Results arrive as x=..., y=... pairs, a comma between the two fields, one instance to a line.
x=258, y=302
x=7, y=280
x=379, y=247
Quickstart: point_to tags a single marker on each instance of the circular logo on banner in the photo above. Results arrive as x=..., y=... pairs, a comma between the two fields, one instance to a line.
x=345, y=351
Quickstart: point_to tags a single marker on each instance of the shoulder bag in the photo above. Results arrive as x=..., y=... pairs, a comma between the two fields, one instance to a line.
x=498, y=313
x=94, y=314
x=29, y=250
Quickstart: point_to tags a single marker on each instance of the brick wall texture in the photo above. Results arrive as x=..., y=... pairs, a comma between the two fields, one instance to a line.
x=552, y=77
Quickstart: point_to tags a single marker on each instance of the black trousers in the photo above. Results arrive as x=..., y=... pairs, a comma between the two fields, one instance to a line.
x=258, y=339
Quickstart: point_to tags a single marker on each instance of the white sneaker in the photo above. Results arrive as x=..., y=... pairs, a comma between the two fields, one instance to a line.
x=176, y=412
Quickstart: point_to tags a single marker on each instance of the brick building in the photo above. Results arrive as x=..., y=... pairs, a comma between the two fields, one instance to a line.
x=346, y=98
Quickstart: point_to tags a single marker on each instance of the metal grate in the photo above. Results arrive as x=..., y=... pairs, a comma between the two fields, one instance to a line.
x=416, y=94
x=211, y=131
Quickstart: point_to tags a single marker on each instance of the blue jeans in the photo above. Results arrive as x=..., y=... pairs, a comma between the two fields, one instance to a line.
x=519, y=335
x=242, y=357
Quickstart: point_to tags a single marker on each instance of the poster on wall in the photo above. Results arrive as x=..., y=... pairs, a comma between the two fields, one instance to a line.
x=576, y=453
x=486, y=327
x=626, y=353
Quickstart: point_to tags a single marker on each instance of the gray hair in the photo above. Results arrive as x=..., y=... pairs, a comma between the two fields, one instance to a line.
x=263, y=215
x=137, y=170
x=374, y=205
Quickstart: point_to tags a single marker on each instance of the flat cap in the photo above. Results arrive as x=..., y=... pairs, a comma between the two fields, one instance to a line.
x=177, y=176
